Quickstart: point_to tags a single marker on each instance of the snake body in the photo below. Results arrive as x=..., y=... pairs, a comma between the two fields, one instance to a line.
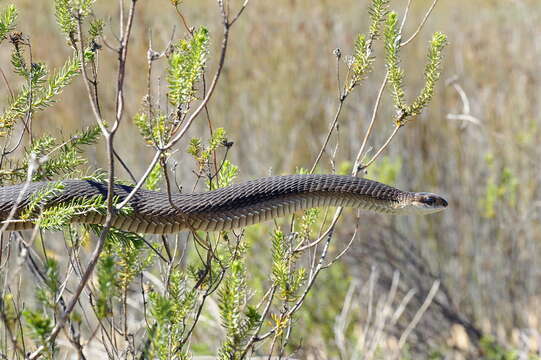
x=227, y=208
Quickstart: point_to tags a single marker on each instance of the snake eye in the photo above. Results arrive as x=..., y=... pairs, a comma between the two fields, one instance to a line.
x=429, y=200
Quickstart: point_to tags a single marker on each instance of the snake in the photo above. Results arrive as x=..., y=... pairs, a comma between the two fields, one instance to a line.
x=226, y=208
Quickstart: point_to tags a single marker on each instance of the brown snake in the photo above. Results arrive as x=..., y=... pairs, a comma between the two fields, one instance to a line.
x=227, y=208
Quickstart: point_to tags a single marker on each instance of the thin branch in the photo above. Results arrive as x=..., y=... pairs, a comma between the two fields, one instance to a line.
x=372, y=120
x=421, y=24
x=142, y=180
x=406, y=12
x=254, y=338
x=433, y=291
x=10, y=334
x=382, y=148
x=350, y=242
x=86, y=79
x=324, y=235
x=329, y=133
x=123, y=53
x=239, y=13
x=188, y=29
x=11, y=95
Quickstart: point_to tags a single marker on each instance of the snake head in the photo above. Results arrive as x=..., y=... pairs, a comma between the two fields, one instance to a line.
x=428, y=203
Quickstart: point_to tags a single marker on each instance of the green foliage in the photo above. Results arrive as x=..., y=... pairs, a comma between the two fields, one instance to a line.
x=83, y=8
x=130, y=257
x=96, y=28
x=40, y=326
x=344, y=167
x=47, y=295
x=7, y=21
x=58, y=216
x=64, y=17
x=62, y=159
x=170, y=312
x=302, y=171
x=227, y=173
x=396, y=74
x=154, y=178
x=184, y=298
x=491, y=350
x=39, y=94
x=57, y=83
x=217, y=139
x=392, y=47
x=307, y=222
x=40, y=198
x=432, y=73
x=107, y=280
x=195, y=148
x=35, y=75
x=57, y=159
x=288, y=279
x=88, y=136
x=155, y=130
x=123, y=258
x=362, y=61
x=202, y=155
x=378, y=10
x=145, y=127
x=362, y=58
x=186, y=65
x=238, y=319
x=9, y=312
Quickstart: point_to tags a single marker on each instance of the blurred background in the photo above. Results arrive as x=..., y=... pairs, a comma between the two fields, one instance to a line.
x=477, y=144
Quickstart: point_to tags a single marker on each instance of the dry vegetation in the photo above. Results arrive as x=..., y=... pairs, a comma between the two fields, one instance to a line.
x=477, y=143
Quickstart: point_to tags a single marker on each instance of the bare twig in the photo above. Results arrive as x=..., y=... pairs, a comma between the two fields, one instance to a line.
x=414, y=35
x=329, y=133
x=466, y=108
x=405, y=17
x=255, y=337
x=382, y=148
x=239, y=13
x=372, y=120
x=433, y=291
x=91, y=85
